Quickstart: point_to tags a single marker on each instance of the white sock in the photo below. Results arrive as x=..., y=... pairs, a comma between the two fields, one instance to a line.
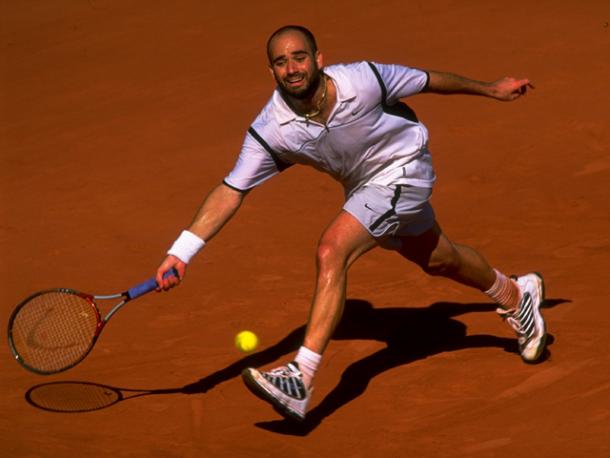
x=308, y=362
x=504, y=291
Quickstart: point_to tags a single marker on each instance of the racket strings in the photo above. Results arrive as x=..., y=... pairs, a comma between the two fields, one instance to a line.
x=54, y=330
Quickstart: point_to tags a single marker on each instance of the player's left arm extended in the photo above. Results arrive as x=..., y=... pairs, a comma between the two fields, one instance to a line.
x=505, y=89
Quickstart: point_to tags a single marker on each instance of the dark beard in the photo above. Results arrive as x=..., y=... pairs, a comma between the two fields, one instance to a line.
x=307, y=93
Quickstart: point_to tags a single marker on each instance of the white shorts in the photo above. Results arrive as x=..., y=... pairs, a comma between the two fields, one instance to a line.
x=392, y=211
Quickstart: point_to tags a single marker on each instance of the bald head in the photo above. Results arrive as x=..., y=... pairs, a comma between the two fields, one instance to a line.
x=306, y=33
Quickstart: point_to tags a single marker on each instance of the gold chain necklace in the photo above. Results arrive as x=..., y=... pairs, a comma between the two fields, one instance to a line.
x=318, y=109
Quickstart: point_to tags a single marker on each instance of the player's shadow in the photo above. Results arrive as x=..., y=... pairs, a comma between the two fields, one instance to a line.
x=410, y=334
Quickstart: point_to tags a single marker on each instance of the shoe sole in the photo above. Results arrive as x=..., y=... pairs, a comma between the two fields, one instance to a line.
x=261, y=393
x=537, y=311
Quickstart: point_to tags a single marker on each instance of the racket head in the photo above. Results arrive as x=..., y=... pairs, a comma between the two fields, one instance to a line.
x=53, y=330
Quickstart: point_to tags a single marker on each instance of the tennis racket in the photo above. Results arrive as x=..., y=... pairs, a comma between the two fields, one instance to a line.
x=54, y=330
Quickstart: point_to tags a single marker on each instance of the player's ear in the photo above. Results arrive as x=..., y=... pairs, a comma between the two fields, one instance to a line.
x=270, y=67
x=319, y=59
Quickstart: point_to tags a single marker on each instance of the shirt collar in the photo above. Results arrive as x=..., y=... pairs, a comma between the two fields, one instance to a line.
x=345, y=93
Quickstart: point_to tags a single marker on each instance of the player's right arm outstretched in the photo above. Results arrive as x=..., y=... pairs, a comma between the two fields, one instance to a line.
x=217, y=209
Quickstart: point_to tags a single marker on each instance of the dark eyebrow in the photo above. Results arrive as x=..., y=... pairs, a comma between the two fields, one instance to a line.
x=300, y=52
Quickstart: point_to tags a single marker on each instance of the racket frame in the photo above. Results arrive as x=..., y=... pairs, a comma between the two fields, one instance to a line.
x=136, y=291
x=100, y=323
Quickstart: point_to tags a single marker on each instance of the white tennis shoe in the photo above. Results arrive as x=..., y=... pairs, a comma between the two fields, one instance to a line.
x=526, y=319
x=283, y=387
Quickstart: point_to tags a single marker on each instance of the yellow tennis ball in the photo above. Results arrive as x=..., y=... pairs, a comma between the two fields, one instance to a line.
x=246, y=341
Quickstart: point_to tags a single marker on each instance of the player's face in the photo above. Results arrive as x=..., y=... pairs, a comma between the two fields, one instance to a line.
x=295, y=67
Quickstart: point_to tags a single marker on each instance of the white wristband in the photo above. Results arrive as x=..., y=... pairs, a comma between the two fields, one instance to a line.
x=186, y=246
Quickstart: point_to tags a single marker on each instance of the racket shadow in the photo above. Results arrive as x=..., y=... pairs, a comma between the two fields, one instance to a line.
x=80, y=396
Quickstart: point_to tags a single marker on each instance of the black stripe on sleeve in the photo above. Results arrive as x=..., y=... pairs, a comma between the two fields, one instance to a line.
x=399, y=109
x=278, y=162
x=425, y=88
x=384, y=91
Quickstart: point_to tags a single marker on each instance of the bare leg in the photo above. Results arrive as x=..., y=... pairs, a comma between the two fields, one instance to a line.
x=344, y=241
x=437, y=255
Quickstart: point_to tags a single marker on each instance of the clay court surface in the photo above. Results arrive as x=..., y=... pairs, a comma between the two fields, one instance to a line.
x=116, y=119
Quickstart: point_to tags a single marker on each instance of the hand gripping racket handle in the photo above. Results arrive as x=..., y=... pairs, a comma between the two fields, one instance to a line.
x=149, y=285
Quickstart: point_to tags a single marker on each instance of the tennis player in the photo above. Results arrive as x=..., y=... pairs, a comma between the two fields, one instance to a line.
x=349, y=121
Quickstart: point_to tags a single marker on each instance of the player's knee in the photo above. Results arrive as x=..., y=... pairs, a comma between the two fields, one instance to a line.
x=329, y=256
x=442, y=266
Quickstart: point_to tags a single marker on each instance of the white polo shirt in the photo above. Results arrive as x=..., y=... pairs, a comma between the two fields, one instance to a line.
x=370, y=136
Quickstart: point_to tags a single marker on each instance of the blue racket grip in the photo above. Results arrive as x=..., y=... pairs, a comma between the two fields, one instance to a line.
x=149, y=285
